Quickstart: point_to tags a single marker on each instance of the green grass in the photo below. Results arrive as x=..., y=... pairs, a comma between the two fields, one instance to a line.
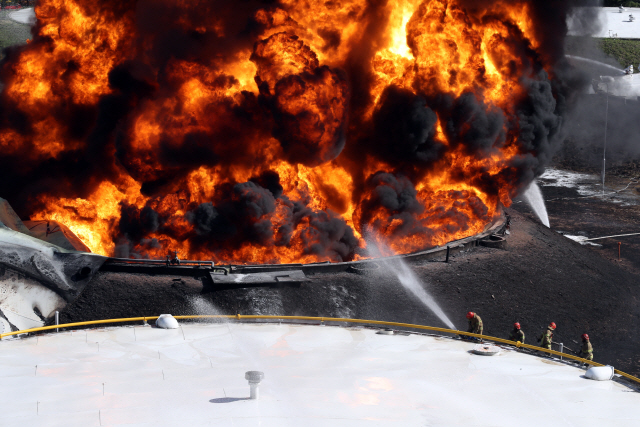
x=626, y=52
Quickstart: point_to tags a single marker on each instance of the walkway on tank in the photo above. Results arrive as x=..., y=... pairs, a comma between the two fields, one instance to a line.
x=313, y=375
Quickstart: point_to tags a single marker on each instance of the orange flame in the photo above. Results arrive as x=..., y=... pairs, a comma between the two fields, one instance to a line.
x=297, y=76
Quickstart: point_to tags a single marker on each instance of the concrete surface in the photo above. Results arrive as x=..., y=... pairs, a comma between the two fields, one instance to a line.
x=313, y=376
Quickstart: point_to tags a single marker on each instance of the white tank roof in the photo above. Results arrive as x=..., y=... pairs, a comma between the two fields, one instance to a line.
x=24, y=16
x=313, y=376
x=612, y=22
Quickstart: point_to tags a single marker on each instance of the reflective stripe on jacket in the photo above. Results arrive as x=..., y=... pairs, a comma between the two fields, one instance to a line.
x=587, y=350
x=546, y=338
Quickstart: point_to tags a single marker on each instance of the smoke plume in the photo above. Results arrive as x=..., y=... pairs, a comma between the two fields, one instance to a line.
x=280, y=131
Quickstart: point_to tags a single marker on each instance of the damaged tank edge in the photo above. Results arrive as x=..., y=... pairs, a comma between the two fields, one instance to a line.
x=119, y=265
x=64, y=272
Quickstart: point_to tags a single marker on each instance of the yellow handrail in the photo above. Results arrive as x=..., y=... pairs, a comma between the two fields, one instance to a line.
x=321, y=319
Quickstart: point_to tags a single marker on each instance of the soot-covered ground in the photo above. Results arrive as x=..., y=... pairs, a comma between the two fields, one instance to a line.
x=540, y=277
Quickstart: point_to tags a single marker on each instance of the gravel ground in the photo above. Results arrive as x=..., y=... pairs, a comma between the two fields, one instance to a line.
x=591, y=217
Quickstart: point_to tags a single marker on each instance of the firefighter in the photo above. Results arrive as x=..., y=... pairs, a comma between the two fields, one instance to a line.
x=546, y=338
x=475, y=323
x=175, y=260
x=586, y=352
x=516, y=334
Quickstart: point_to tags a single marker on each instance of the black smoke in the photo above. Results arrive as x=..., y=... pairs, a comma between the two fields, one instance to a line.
x=393, y=206
x=316, y=114
x=404, y=119
x=136, y=223
x=396, y=197
x=239, y=218
x=476, y=126
x=244, y=217
x=271, y=181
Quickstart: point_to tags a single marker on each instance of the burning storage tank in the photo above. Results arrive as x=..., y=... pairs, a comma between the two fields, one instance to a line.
x=272, y=132
x=279, y=132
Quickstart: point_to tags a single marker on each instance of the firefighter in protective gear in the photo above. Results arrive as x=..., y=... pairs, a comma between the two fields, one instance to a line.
x=516, y=334
x=547, y=336
x=586, y=352
x=475, y=323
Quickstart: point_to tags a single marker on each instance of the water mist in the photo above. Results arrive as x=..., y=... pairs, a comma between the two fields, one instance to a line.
x=533, y=197
x=411, y=282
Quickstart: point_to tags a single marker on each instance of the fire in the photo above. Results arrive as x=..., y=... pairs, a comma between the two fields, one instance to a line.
x=301, y=132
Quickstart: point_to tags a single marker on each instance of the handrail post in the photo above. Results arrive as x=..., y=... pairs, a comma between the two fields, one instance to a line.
x=561, y=349
x=57, y=320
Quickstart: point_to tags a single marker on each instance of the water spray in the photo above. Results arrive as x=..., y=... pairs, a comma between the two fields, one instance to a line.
x=533, y=197
x=407, y=278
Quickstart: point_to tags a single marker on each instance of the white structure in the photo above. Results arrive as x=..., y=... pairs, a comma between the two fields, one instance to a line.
x=600, y=373
x=614, y=22
x=313, y=377
x=254, y=378
x=167, y=321
x=627, y=85
x=24, y=16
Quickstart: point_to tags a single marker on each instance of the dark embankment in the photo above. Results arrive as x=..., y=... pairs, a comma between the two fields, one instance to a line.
x=541, y=277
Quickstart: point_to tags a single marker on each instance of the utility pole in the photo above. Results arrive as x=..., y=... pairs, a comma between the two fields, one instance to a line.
x=604, y=151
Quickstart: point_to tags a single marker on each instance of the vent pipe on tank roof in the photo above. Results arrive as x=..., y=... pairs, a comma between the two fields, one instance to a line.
x=254, y=378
